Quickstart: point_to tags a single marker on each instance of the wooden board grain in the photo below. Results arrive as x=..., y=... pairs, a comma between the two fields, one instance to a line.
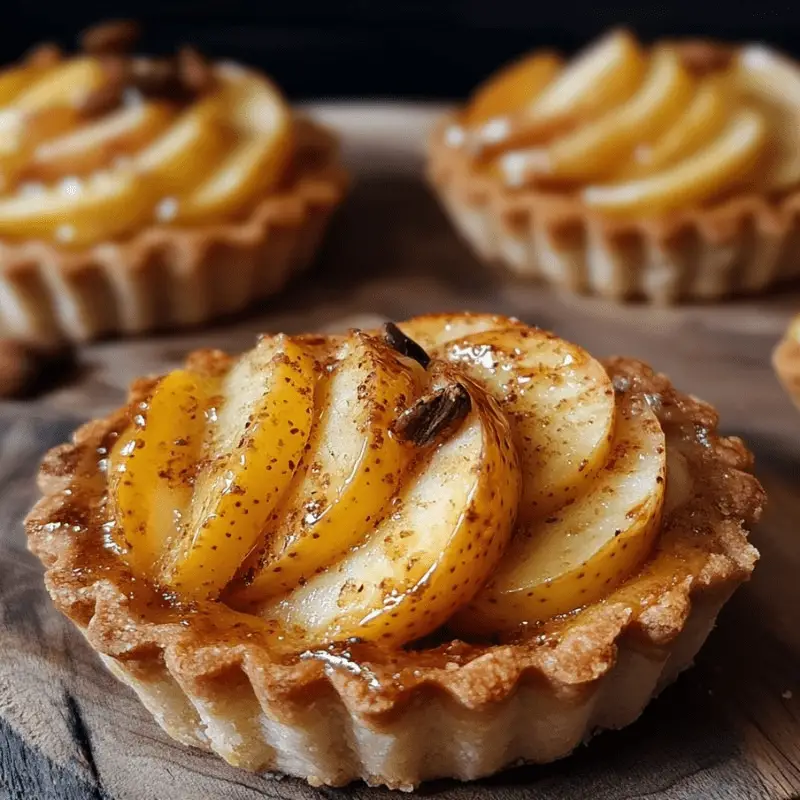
x=730, y=728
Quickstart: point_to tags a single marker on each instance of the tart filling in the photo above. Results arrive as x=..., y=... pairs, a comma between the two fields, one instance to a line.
x=634, y=131
x=101, y=144
x=349, y=523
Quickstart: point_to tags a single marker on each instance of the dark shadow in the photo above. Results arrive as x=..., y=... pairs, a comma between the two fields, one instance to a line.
x=679, y=735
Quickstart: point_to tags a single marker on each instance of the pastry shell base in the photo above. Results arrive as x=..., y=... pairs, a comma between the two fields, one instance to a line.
x=407, y=717
x=167, y=278
x=436, y=737
x=743, y=245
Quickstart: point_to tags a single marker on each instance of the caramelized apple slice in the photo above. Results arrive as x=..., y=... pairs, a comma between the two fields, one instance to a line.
x=594, y=82
x=772, y=82
x=559, y=402
x=584, y=550
x=723, y=163
x=179, y=159
x=448, y=528
x=257, y=112
x=66, y=85
x=251, y=169
x=513, y=89
x=151, y=470
x=21, y=132
x=433, y=331
x=47, y=108
x=14, y=81
x=77, y=213
x=597, y=148
x=94, y=144
x=255, y=446
x=602, y=77
x=14, y=148
x=252, y=104
x=351, y=468
x=701, y=122
x=44, y=124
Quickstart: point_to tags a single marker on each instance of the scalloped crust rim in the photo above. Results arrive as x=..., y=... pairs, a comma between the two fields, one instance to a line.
x=399, y=718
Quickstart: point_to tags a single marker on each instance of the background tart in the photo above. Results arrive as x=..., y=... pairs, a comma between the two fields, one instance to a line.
x=661, y=173
x=140, y=193
x=214, y=673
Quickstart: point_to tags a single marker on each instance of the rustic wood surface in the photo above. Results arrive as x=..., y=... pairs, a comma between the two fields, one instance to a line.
x=729, y=728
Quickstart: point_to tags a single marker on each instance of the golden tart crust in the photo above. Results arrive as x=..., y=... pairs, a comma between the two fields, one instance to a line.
x=743, y=242
x=343, y=713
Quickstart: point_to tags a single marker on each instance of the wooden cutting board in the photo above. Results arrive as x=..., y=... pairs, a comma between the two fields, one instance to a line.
x=729, y=728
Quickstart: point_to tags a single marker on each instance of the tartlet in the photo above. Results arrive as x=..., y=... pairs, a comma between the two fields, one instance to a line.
x=665, y=173
x=143, y=193
x=395, y=558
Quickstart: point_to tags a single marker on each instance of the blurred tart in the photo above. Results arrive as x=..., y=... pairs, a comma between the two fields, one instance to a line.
x=786, y=360
x=429, y=551
x=662, y=173
x=140, y=193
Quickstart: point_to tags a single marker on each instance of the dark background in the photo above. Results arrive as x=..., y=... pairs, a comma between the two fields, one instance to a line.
x=411, y=48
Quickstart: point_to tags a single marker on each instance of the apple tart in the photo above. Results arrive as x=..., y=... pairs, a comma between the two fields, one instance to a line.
x=434, y=550
x=139, y=193
x=659, y=173
x=786, y=360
